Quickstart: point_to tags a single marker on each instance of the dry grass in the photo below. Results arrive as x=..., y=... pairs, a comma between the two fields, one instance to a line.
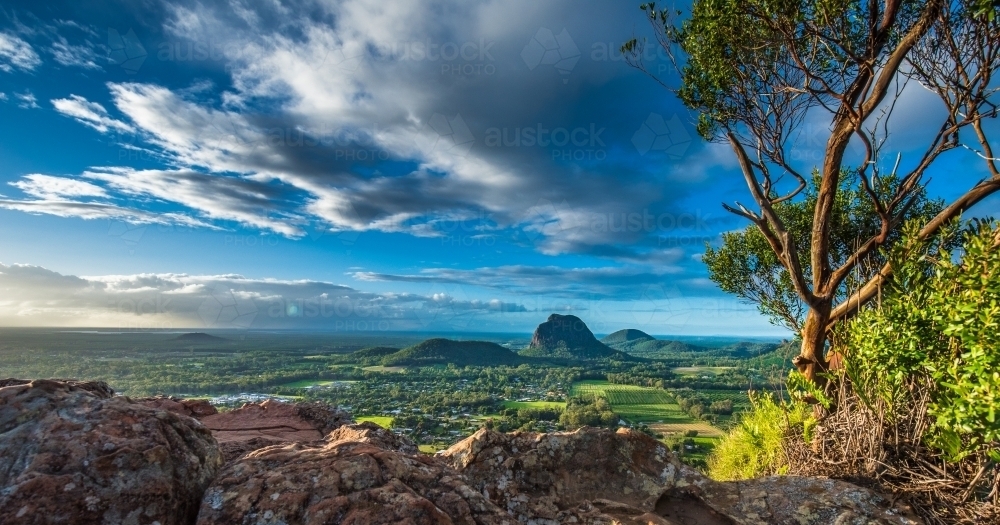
x=882, y=447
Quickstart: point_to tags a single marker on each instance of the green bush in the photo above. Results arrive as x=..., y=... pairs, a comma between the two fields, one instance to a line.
x=754, y=446
x=937, y=325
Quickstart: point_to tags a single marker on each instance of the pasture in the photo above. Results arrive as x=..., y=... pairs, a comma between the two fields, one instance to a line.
x=382, y=421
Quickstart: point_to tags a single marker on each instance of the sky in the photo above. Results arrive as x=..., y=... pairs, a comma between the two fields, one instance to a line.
x=355, y=165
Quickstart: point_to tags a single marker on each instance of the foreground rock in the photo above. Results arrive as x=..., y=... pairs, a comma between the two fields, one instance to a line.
x=196, y=408
x=258, y=425
x=601, y=476
x=70, y=452
x=343, y=482
x=368, y=432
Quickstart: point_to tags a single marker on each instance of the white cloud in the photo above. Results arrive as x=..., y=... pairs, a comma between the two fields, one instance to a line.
x=27, y=100
x=74, y=56
x=16, y=53
x=51, y=188
x=36, y=296
x=89, y=113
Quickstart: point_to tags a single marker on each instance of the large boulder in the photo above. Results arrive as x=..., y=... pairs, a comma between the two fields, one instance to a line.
x=343, y=482
x=600, y=476
x=258, y=425
x=368, y=432
x=539, y=476
x=71, y=452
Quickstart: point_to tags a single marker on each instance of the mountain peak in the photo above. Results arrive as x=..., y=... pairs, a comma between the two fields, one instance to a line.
x=567, y=336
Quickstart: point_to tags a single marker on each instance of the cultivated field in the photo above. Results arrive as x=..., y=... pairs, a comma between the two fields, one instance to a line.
x=534, y=404
x=652, y=406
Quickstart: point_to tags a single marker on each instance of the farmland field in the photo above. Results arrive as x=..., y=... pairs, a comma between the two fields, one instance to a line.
x=382, y=421
x=651, y=406
x=704, y=429
x=307, y=383
x=396, y=369
x=534, y=404
x=701, y=370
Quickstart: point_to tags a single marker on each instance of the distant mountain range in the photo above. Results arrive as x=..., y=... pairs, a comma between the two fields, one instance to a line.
x=438, y=352
x=199, y=337
x=641, y=344
x=561, y=338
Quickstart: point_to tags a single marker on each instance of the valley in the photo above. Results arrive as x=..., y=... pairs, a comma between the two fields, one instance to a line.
x=435, y=390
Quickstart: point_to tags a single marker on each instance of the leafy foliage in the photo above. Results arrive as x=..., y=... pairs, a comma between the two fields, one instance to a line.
x=746, y=266
x=939, y=320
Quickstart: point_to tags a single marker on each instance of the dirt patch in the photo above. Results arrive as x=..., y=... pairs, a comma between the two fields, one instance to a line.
x=704, y=429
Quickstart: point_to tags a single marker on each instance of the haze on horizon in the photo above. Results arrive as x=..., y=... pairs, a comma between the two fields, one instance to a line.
x=357, y=165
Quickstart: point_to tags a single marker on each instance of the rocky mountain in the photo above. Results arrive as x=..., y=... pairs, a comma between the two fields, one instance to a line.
x=74, y=453
x=567, y=336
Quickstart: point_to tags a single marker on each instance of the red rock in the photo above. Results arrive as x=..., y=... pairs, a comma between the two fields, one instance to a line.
x=196, y=408
x=598, y=476
x=70, y=452
x=368, y=432
x=256, y=425
x=343, y=482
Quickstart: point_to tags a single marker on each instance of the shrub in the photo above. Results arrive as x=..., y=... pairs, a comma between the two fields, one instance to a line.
x=754, y=447
x=939, y=322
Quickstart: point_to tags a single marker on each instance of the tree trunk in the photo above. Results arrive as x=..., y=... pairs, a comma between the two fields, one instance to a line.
x=811, y=361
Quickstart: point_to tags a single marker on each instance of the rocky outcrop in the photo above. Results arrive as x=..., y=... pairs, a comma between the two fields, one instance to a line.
x=257, y=425
x=601, y=476
x=545, y=476
x=70, y=452
x=196, y=408
x=568, y=336
x=368, y=432
x=343, y=482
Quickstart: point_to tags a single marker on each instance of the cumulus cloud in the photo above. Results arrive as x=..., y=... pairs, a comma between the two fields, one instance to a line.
x=89, y=113
x=33, y=296
x=368, y=119
x=16, y=53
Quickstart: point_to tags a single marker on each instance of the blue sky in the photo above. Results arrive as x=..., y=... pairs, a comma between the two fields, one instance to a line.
x=359, y=165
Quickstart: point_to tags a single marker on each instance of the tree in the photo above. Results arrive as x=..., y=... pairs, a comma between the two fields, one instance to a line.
x=746, y=266
x=756, y=70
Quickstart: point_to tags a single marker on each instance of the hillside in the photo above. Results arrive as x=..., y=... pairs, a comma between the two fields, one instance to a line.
x=627, y=335
x=198, y=337
x=567, y=336
x=459, y=353
x=641, y=344
x=371, y=355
